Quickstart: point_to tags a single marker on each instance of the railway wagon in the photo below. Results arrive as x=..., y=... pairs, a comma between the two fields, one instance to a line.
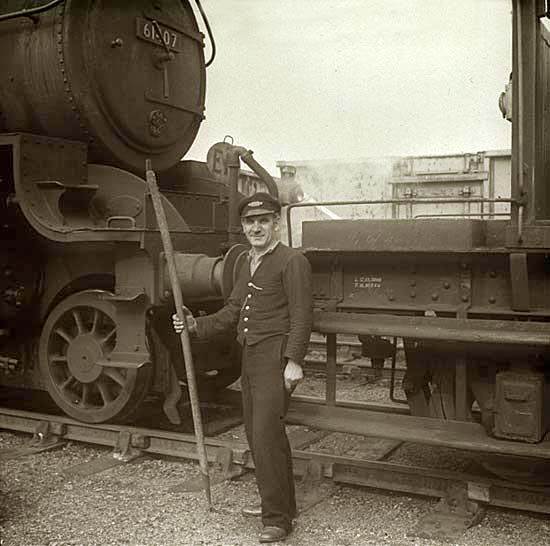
x=470, y=297
x=401, y=186
x=88, y=91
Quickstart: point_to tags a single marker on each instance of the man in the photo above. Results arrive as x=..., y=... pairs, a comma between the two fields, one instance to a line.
x=271, y=307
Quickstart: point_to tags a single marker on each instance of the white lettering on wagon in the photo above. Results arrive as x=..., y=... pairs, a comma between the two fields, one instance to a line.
x=366, y=281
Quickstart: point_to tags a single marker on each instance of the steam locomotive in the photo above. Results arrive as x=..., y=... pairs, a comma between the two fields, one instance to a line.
x=89, y=91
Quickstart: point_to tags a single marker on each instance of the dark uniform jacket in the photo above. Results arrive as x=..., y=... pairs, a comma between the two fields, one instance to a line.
x=275, y=300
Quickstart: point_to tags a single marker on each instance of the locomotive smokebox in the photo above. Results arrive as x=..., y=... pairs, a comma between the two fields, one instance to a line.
x=127, y=78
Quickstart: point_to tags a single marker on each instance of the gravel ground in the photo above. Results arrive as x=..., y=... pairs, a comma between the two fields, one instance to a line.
x=132, y=505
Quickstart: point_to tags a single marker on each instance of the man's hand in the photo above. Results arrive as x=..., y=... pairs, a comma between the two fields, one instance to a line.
x=293, y=375
x=189, y=319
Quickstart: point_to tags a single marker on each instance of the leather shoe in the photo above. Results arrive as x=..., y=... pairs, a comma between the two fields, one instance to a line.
x=254, y=510
x=273, y=534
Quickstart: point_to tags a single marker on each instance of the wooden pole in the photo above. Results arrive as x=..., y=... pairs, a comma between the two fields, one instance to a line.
x=184, y=336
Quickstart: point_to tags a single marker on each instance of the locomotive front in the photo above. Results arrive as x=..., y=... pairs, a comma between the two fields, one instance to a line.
x=90, y=90
x=126, y=78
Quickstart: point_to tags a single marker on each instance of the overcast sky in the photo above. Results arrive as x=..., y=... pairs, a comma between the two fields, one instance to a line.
x=348, y=79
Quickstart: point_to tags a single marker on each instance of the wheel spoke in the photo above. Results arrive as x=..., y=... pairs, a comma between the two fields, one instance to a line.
x=95, y=321
x=85, y=393
x=58, y=359
x=61, y=333
x=67, y=383
x=104, y=391
x=78, y=321
x=108, y=337
x=115, y=375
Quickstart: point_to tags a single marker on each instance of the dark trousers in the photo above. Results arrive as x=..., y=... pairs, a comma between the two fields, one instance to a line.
x=265, y=403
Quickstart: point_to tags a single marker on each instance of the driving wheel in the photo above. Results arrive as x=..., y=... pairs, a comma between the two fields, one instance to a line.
x=79, y=332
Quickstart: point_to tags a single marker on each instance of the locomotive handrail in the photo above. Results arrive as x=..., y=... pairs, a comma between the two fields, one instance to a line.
x=389, y=202
x=30, y=12
x=463, y=215
x=119, y=218
x=210, y=34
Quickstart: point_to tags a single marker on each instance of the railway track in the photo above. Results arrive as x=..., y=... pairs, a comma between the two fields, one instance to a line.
x=463, y=495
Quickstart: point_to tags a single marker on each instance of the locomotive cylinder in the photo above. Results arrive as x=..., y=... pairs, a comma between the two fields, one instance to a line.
x=127, y=78
x=198, y=275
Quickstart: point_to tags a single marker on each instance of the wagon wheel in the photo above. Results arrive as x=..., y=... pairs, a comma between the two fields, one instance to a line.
x=429, y=383
x=430, y=389
x=79, y=332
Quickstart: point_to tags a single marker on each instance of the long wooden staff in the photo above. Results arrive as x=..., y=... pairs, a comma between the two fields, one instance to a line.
x=184, y=336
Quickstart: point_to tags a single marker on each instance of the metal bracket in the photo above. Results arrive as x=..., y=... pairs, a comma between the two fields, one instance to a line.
x=452, y=515
x=312, y=489
x=337, y=279
x=519, y=282
x=48, y=435
x=225, y=467
x=46, y=438
x=124, y=449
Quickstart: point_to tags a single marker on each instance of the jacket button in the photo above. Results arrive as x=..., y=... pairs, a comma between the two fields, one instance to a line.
x=245, y=330
x=249, y=296
x=249, y=284
x=245, y=319
x=247, y=307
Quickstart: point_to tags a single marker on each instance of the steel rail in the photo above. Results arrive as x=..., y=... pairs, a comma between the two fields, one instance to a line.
x=341, y=469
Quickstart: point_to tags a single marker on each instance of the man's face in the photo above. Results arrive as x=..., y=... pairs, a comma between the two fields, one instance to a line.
x=260, y=230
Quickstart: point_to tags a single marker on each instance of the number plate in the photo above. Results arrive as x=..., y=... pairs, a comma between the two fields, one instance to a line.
x=157, y=33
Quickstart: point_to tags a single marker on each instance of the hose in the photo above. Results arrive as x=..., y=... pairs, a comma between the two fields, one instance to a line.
x=210, y=35
x=30, y=12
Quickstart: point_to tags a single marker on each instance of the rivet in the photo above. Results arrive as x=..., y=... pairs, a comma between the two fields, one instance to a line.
x=464, y=298
x=413, y=283
x=492, y=274
x=413, y=294
x=447, y=285
x=435, y=296
x=492, y=299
